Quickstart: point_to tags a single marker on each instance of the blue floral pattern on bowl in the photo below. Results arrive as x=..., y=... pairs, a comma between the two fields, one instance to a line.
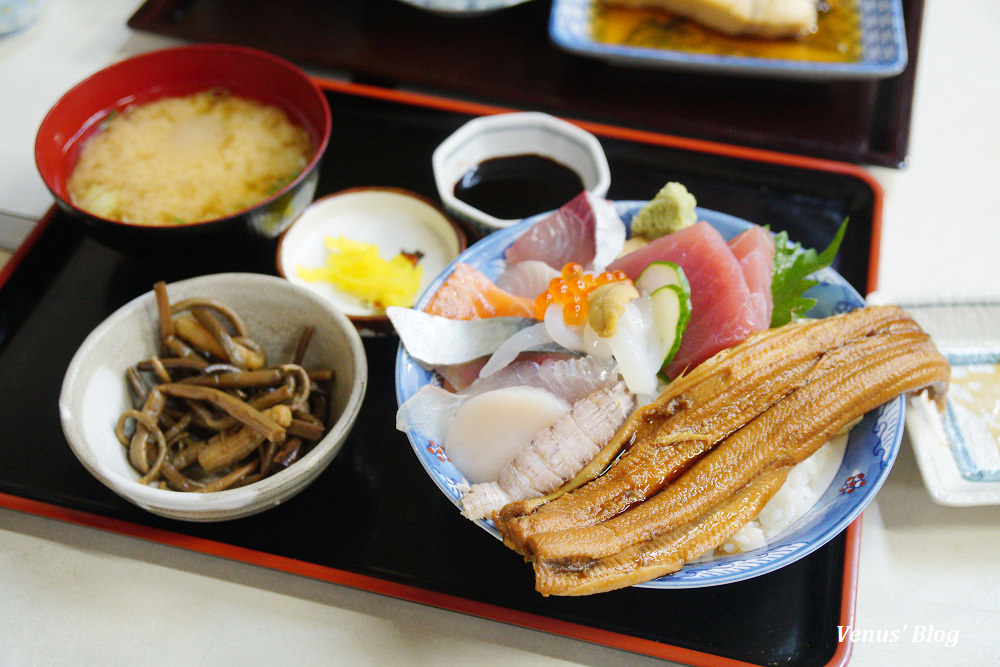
x=871, y=448
x=883, y=45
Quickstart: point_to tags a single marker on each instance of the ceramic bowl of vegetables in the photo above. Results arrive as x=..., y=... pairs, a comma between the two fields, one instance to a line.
x=215, y=397
x=365, y=249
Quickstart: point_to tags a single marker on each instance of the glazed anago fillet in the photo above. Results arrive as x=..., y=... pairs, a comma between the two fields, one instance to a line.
x=846, y=366
x=761, y=18
x=662, y=439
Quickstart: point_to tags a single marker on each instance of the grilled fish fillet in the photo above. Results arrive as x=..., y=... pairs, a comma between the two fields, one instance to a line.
x=861, y=378
x=842, y=368
x=693, y=414
x=759, y=18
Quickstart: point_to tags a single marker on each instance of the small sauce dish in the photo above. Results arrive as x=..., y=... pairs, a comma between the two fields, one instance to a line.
x=394, y=220
x=530, y=155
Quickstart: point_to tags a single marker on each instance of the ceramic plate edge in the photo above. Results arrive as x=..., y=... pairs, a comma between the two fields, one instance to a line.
x=569, y=29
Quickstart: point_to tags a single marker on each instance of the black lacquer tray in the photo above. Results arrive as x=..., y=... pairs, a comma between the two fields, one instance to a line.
x=508, y=58
x=402, y=537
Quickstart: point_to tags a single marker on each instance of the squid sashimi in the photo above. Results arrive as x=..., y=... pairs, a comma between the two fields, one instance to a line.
x=754, y=250
x=722, y=310
x=468, y=294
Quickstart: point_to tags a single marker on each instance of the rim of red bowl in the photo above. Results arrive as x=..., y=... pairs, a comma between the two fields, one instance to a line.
x=175, y=71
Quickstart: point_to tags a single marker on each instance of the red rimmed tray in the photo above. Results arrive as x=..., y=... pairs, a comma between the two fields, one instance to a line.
x=403, y=538
x=507, y=57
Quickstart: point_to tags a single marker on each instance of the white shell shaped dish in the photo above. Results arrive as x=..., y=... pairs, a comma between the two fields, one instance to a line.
x=95, y=390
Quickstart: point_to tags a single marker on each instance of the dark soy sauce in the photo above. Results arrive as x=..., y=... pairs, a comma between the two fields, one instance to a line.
x=517, y=186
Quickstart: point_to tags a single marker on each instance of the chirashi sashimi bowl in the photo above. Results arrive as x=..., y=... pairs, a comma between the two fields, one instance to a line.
x=531, y=368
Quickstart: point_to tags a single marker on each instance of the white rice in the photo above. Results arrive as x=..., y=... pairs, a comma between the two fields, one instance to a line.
x=802, y=488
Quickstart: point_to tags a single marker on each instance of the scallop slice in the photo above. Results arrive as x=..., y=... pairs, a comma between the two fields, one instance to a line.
x=489, y=429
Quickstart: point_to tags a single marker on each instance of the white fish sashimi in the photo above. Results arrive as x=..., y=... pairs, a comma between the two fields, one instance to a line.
x=556, y=454
x=570, y=379
x=528, y=278
x=432, y=340
x=428, y=411
x=431, y=409
x=609, y=231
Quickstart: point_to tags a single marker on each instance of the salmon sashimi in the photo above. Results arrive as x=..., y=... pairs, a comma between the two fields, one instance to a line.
x=754, y=250
x=722, y=309
x=468, y=294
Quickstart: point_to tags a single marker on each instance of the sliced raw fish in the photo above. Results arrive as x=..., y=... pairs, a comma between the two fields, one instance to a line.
x=457, y=377
x=528, y=278
x=722, y=311
x=754, y=249
x=433, y=340
x=431, y=409
x=585, y=230
x=570, y=378
x=468, y=294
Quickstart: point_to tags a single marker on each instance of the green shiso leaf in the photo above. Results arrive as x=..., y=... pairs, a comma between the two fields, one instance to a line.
x=792, y=266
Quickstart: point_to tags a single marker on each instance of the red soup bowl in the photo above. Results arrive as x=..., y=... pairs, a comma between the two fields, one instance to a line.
x=174, y=72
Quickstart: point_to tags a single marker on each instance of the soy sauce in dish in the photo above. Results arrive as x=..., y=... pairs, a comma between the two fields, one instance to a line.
x=517, y=186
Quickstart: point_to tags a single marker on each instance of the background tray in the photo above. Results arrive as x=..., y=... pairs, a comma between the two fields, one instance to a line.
x=507, y=58
x=401, y=536
x=883, y=51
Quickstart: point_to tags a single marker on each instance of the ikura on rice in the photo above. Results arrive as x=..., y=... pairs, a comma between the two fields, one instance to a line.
x=643, y=326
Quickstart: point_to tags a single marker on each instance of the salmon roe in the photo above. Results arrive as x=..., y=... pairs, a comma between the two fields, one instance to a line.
x=571, y=289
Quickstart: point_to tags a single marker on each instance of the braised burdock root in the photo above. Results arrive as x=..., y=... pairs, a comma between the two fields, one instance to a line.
x=210, y=415
x=700, y=462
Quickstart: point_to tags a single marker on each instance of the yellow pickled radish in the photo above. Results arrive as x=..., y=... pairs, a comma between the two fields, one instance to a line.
x=357, y=268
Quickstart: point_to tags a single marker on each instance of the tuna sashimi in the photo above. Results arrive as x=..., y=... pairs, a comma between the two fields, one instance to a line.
x=754, y=249
x=468, y=294
x=722, y=310
x=565, y=235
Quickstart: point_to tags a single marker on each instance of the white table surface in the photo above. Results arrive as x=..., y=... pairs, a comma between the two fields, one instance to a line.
x=76, y=595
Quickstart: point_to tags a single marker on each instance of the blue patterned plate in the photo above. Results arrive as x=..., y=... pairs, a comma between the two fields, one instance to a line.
x=883, y=43
x=871, y=448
